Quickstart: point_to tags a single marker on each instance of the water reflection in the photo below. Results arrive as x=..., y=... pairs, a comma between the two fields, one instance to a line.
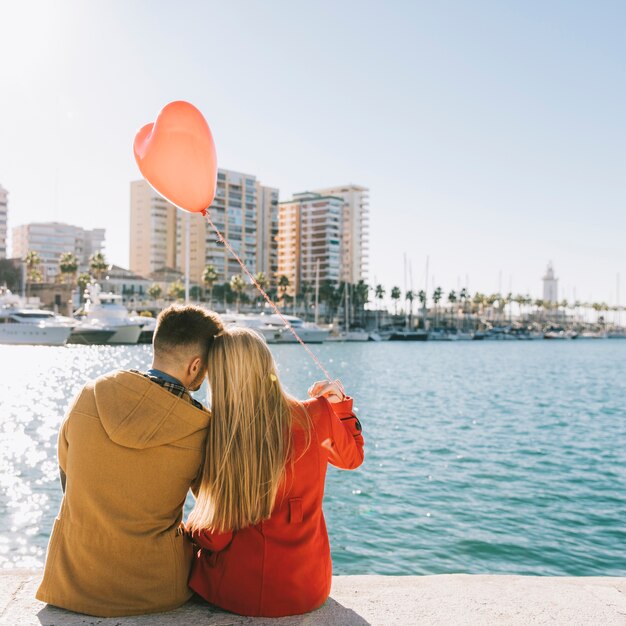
x=479, y=458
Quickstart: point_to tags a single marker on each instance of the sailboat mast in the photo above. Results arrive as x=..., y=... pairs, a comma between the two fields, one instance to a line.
x=317, y=289
x=346, y=306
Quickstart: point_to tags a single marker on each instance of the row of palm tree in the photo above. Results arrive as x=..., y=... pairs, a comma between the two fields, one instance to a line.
x=68, y=269
x=440, y=306
x=496, y=306
x=239, y=291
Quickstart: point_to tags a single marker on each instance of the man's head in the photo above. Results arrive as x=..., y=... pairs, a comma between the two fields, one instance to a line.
x=182, y=340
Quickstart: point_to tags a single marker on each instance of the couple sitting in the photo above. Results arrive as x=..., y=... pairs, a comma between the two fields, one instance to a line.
x=133, y=444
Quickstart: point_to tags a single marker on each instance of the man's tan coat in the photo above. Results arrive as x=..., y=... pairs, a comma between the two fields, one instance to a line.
x=130, y=450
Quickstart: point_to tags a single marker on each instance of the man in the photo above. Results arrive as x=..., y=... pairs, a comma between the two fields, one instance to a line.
x=129, y=450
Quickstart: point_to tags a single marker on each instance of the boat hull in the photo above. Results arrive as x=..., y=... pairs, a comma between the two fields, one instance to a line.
x=90, y=336
x=308, y=335
x=127, y=334
x=408, y=336
x=30, y=334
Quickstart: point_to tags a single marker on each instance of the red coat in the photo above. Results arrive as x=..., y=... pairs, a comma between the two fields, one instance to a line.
x=282, y=566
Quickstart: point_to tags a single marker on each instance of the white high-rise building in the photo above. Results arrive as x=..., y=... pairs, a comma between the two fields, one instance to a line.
x=550, y=286
x=51, y=239
x=354, y=230
x=4, y=213
x=309, y=240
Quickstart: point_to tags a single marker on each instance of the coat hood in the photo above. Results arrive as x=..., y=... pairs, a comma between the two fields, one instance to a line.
x=138, y=413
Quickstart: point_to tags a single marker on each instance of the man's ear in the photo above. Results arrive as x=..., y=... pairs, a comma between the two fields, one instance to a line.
x=194, y=366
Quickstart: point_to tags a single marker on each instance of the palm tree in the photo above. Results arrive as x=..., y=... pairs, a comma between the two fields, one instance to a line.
x=437, y=295
x=238, y=285
x=463, y=297
x=98, y=264
x=33, y=271
x=155, y=291
x=409, y=296
x=176, y=290
x=82, y=281
x=506, y=302
x=520, y=300
x=490, y=300
x=263, y=282
x=540, y=306
x=452, y=298
x=209, y=278
x=478, y=302
x=360, y=297
x=330, y=296
x=421, y=296
x=68, y=266
x=396, y=294
x=379, y=294
x=283, y=284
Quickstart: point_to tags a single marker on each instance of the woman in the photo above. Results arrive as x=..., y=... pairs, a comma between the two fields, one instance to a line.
x=258, y=521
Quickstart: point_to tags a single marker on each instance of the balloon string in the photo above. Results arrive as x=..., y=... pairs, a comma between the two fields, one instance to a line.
x=285, y=321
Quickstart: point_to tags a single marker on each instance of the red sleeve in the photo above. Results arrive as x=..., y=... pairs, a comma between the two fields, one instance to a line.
x=345, y=444
x=212, y=541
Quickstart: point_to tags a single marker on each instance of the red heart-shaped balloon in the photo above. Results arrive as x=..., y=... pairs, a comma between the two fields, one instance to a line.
x=176, y=155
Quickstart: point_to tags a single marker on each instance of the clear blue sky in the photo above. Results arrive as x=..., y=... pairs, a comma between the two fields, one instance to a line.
x=492, y=134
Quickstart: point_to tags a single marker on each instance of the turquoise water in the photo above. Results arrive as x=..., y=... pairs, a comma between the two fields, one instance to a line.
x=502, y=457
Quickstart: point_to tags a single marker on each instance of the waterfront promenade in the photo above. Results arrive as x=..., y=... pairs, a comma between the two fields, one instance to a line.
x=375, y=600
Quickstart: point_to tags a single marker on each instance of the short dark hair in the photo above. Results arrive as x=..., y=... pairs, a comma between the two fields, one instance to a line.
x=184, y=328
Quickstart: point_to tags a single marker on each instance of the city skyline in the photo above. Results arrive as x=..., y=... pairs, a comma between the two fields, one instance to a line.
x=490, y=138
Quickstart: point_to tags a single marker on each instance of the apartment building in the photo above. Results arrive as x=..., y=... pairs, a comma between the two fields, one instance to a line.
x=51, y=239
x=309, y=239
x=354, y=230
x=152, y=230
x=4, y=213
x=246, y=212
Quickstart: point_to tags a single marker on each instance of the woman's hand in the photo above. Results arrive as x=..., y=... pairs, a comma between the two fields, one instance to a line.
x=331, y=390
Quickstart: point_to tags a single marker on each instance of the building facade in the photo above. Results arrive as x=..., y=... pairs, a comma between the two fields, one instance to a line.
x=550, y=286
x=309, y=240
x=132, y=287
x=354, y=230
x=267, y=231
x=246, y=213
x=4, y=214
x=51, y=239
x=152, y=230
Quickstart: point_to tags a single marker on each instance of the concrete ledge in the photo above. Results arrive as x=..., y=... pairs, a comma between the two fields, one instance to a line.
x=376, y=600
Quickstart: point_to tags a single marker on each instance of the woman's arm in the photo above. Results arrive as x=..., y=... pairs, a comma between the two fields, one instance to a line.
x=345, y=444
x=212, y=541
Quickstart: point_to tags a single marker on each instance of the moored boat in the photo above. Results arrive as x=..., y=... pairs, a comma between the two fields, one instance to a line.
x=408, y=335
x=30, y=326
x=273, y=329
x=105, y=311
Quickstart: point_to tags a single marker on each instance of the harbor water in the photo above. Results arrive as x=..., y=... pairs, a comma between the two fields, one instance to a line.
x=481, y=457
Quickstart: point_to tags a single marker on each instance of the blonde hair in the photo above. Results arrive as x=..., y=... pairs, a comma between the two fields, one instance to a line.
x=249, y=439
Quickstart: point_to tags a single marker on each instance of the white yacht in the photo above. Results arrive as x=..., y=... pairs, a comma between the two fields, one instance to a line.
x=350, y=335
x=105, y=311
x=273, y=329
x=309, y=332
x=148, y=326
x=30, y=326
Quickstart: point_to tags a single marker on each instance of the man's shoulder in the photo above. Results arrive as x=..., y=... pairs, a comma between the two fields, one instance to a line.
x=87, y=392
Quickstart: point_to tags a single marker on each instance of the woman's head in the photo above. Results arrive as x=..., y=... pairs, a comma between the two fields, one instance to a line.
x=249, y=435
